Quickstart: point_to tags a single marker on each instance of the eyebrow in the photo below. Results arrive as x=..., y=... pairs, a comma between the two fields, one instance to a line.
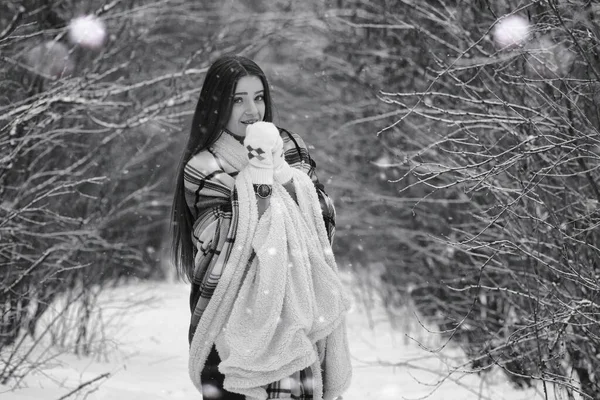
x=262, y=90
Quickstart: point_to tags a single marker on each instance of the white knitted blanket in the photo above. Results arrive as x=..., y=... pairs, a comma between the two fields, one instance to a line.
x=282, y=310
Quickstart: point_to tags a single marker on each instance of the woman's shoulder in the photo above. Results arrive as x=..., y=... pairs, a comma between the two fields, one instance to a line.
x=204, y=162
x=292, y=138
x=296, y=151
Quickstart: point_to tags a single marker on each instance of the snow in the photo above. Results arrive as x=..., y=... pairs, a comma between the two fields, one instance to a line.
x=50, y=58
x=148, y=359
x=87, y=31
x=511, y=31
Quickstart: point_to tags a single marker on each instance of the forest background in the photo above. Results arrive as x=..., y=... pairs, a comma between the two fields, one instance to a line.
x=464, y=165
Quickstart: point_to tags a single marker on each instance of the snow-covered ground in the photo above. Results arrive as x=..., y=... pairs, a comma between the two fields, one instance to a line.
x=148, y=360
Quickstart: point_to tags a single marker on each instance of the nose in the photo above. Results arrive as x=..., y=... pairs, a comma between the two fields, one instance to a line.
x=251, y=109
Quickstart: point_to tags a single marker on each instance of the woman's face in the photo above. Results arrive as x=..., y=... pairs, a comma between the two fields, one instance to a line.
x=248, y=105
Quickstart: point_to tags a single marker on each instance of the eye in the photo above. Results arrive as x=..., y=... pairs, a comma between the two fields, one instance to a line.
x=237, y=100
x=260, y=97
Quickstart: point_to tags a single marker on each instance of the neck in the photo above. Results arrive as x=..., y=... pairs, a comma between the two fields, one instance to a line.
x=236, y=137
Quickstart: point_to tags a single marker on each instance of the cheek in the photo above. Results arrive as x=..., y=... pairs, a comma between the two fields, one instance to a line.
x=235, y=115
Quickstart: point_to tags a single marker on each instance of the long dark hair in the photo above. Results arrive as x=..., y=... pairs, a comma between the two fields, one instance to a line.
x=210, y=118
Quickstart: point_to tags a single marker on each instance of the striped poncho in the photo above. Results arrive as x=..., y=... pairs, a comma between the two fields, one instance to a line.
x=209, y=181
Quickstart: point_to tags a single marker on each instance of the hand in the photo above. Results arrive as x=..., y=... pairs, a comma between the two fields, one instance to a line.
x=261, y=138
x=283, y=172
x=277, y=153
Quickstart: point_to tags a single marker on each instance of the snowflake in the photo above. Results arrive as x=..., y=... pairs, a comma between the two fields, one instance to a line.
x=87, y=31
x=211, y=392
x=511, y=31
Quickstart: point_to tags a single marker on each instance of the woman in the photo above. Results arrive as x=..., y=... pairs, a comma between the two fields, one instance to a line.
x=252, y=232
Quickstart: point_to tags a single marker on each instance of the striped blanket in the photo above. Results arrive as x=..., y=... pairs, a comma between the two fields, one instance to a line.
x=210, y=181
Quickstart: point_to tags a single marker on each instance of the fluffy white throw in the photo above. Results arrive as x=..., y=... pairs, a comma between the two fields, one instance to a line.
x=282, y=310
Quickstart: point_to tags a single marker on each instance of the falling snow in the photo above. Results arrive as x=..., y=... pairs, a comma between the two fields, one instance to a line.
x=511, y=31
x=210, y=392
x=87, y=31
x=50, y=59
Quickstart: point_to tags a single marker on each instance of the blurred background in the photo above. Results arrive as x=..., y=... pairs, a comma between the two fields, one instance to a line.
x=459, y=140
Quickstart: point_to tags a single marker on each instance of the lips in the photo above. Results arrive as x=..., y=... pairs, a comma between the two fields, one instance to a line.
x=250, y=121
